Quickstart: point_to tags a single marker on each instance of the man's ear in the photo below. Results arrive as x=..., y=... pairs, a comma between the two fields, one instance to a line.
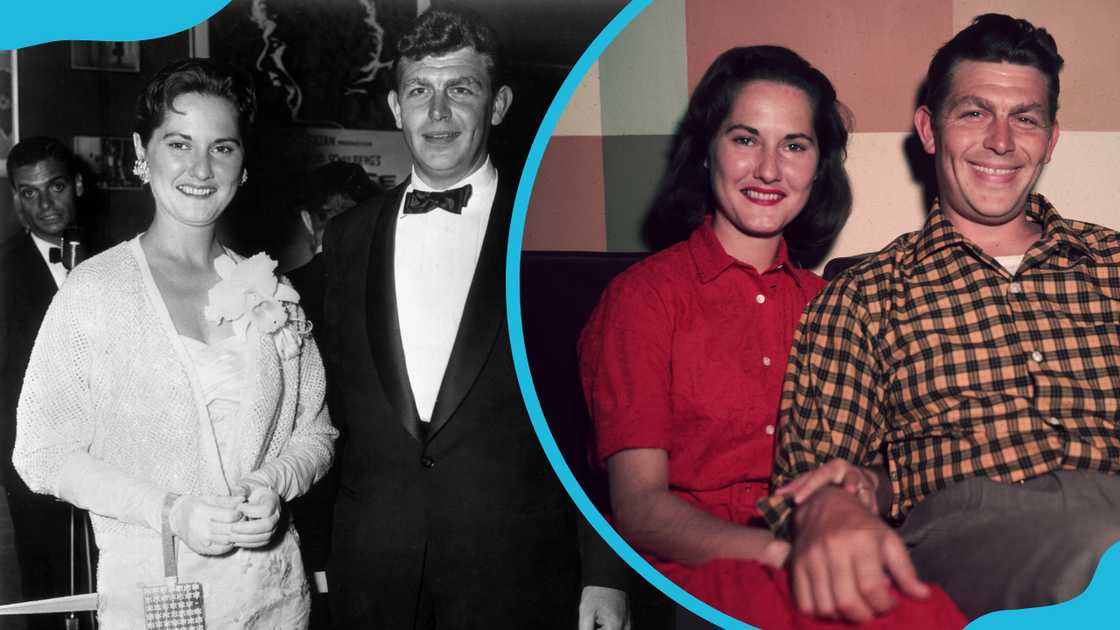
x=1053, y=142
x=502, y=100
x=923, y=124
x=395, y=106
x=78, y=189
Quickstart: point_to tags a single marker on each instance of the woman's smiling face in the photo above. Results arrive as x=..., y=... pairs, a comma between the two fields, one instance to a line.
x=195, y=158
x=763, y=161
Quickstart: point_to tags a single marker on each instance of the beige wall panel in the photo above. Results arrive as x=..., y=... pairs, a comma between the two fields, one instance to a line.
x=1085, y=31
x=1081, y=179
x=887, y=202
x=584, y=114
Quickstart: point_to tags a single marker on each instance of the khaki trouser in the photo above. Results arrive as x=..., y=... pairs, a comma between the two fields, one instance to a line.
x=995, y=546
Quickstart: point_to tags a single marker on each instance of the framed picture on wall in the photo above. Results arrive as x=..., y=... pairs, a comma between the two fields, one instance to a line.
x=109, y=160
x=110, y=56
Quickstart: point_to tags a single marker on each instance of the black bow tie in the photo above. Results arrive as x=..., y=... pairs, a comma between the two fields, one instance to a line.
x=419, y=201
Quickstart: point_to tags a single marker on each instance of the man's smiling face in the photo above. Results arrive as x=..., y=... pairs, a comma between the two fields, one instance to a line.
x=991, y=141
x=445, y=105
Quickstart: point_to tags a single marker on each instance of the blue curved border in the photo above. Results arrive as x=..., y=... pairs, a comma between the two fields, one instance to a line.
x=517, y=336
x=30, y=22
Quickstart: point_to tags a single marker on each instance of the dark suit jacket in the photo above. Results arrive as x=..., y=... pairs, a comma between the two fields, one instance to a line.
x=26, y=289
x=462, y=524
x=41, y=524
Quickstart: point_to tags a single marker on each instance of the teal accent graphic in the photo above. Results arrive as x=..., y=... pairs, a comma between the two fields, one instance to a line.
x=30, y=22
x=1090, y=609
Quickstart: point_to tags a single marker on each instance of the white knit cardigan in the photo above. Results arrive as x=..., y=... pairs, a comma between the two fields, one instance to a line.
x=111, y=415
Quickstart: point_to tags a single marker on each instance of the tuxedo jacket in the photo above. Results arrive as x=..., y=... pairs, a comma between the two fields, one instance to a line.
x=462, y=523
x=26, y=289
x=39, y=521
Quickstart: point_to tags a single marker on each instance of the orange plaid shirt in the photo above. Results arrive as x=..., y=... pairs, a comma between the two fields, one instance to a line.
x=931, y=354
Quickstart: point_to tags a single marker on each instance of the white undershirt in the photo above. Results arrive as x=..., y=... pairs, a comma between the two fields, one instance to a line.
x=1010, y=263
x=58, y=270
x=434, y=261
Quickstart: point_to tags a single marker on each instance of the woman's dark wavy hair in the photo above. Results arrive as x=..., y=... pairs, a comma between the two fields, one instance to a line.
x=685, y=196
x=994, y=37
x=194, y=76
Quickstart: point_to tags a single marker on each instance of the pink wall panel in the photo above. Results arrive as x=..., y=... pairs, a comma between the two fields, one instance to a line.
x=567, y=209
x=875, y=53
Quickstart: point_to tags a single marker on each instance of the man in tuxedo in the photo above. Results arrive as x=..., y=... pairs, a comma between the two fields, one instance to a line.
x=46, y=184
x=448, y=514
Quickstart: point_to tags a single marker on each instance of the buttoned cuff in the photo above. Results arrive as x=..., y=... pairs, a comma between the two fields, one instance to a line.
x=777, y=511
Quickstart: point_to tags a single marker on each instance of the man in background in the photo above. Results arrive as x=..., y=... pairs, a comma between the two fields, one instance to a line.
x=46, y=185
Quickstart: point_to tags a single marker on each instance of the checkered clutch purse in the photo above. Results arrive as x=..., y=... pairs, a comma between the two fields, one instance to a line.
x=172, y=605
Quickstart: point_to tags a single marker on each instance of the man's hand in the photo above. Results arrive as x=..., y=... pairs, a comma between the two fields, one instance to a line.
x=844, y=560
x=860, y=482
x=602, y=607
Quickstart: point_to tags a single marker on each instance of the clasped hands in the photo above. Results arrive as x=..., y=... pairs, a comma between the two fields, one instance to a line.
x=844, y=557
x=214, y=525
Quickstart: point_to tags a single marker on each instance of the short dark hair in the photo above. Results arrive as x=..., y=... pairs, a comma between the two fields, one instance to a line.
x=194, y=76
x=40, y=149
x=685, y=194
x=443, y=31
x=994, y=37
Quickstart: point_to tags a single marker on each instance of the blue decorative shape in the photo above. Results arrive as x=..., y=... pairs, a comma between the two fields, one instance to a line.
x=1093, y=608
x=517, y=335
x=30, y=22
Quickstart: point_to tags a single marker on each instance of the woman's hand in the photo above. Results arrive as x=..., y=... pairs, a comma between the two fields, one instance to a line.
x=859, y=481
x=204, y=522
x=261, y=510
x=774, y=553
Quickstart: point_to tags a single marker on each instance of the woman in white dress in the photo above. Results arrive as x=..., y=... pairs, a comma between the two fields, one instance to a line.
x=174, y=385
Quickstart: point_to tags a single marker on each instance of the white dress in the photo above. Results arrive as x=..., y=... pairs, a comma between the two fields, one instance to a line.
x=117, y=410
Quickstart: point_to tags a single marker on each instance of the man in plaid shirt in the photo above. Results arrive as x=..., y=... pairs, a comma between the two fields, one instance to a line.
x=974, y=364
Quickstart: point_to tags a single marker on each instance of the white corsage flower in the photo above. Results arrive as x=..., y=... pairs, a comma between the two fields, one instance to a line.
x=249, y=293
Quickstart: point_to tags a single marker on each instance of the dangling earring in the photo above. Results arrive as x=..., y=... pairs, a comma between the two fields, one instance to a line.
x=141, y=170
x=244, y=176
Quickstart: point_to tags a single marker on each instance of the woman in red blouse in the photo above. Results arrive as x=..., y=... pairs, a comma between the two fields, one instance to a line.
x=682, y=362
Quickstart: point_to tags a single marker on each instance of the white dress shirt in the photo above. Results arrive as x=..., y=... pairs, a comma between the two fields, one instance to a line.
x=58, y=270
x=434, y=261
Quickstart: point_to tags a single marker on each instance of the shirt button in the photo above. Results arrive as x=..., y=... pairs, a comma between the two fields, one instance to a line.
x=427, y=462
x=760, y=298
x=1015, y=288
x=1054, y=422
x=766, y=361
x=769, y=429
x=1036, y=356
